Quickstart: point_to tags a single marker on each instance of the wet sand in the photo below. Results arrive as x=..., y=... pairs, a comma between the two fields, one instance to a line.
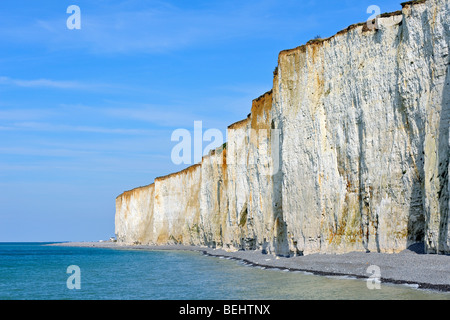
x=424, y=271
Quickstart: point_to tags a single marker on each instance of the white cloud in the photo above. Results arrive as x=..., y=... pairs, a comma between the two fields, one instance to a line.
x=55, y=84
x=23, y=114
x=41, y=83
x=43, y=126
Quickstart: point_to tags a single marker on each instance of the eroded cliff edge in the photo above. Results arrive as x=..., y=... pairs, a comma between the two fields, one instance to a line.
x=348, y=151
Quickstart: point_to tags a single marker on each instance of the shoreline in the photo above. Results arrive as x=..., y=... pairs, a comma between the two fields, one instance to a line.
x=420, y=271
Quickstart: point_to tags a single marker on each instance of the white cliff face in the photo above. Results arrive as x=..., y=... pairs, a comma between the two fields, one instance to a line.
x=238, y=186
x=134, y=215
x=214, y=221
x=349, y=151
x=367, y=109
x=264, y=179
x=176, y=207
x=424, y=91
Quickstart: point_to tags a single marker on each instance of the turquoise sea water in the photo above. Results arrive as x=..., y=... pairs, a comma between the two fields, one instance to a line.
x=37, y=271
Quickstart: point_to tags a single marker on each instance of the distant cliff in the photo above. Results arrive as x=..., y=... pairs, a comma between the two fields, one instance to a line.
x=348, y=151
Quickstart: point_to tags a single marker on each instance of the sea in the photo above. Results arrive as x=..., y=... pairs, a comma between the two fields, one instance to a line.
x=37, y=271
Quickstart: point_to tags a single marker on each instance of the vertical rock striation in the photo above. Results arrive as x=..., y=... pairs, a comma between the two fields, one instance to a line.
x=348, y=151
x=134, y=215
x=176, y=207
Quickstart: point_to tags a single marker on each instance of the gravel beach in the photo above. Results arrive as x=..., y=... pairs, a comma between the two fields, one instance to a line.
x=424, y=271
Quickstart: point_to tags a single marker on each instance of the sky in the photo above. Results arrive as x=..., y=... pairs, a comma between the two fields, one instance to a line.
x=88, y=113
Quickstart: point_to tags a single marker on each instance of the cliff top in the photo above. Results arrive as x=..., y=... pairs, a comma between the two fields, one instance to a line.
x=303, y=47
x=411, y=3
x=238, y=124
x=263, y=95
x=184, y=171
x=134, y=189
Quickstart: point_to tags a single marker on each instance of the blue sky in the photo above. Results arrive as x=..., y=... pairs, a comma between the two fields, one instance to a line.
x=86, y=114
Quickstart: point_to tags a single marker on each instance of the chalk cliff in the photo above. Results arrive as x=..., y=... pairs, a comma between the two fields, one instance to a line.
x=348, y=151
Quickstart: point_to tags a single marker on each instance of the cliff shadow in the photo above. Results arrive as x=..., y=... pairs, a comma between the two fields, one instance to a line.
x=415, y=232
x=280, y=235
x=416, y=224
x=444, y=155
x=416, y=229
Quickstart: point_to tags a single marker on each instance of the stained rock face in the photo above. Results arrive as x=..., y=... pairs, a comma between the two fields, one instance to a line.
x=134, y=215
x=348, y=151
